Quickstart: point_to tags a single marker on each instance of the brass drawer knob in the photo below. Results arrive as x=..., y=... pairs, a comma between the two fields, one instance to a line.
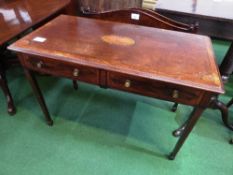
x=127, y=83
x=76, y=72
x=175, y=94
x=39, y=64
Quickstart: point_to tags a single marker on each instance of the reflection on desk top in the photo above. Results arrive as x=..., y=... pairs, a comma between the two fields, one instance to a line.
x=219, y=9
x=19, y=15
x=174, y=57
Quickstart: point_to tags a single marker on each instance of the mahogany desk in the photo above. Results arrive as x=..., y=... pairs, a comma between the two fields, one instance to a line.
x=158, y=63
x=215, y=19
x=16, y=17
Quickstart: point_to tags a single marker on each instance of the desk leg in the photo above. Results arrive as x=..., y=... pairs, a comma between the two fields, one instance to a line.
x=195, y=115
x=178, y=132
x=75, y=84
x=226, y=67
x=174, y=107
x=3, y=83
x=35, y=87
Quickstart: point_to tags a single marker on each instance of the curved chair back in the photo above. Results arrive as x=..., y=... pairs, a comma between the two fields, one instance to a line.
x=142, y=17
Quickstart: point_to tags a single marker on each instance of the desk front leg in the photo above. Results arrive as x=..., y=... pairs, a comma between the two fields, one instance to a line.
x=195, y=115
x=35, y=87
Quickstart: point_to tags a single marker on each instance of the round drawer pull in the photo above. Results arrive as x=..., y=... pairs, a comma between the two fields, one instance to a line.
x=76, y=72
x=127, y=83
x=175, y=94
x=39, y=64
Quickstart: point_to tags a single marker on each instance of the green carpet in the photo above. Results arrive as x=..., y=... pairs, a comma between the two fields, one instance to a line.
x=107, y=132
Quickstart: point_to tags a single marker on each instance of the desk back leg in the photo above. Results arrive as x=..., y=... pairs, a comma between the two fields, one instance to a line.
x=195, y=115
x=32, y=80
x=75, y=84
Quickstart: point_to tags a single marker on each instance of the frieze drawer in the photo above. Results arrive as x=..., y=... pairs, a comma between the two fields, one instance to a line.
x=154, y=88
x=73, y=71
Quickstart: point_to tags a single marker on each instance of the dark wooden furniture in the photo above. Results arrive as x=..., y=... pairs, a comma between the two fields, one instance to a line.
x=107, y=5
x=142, y=17
x=214, y=19
x=131, y=58
x=16, y=17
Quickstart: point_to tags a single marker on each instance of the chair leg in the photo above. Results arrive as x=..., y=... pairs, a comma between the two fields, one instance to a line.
x=216, y=104
x=3, y=83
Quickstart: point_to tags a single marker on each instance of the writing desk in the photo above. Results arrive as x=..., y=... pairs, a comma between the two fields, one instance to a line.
x=215, y=19
x=17, y=16
x=158, y=63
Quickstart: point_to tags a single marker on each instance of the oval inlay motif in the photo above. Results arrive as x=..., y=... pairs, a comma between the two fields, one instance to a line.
x=118, y=40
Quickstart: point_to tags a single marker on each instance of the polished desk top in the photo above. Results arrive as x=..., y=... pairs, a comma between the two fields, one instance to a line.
x=218, y=9
x=168, y=56
x=19, y=15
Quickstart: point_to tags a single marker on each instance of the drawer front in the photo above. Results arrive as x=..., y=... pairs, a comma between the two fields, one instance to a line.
x=154, y=88
x=62, y=69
